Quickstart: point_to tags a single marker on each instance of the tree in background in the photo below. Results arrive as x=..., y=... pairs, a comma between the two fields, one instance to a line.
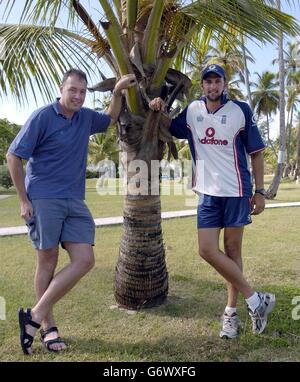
x=297, y=161
x=291, y=62
x=272, y=190
x=8, y=131
x=103, y=146
x=291, y=107
x=265, y=99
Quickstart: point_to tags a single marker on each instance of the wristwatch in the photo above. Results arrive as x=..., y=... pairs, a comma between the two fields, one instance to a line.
x=261, y=191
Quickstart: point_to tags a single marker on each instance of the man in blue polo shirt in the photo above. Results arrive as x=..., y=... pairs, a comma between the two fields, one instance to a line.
x=54, y=142
x=222, y=135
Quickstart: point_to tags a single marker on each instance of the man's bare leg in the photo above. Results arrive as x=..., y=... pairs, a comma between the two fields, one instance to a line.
x=46, y=265
x=82, y=260
x=233, y=237
x=209, y=250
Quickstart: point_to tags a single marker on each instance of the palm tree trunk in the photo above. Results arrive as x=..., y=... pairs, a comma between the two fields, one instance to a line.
x=141, y=277
x=297, y=168
x=288, y=146
x=246, y=74
x=268, y=132
x=272, y=191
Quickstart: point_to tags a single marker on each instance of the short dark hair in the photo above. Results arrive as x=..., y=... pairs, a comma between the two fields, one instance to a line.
x=74, y=72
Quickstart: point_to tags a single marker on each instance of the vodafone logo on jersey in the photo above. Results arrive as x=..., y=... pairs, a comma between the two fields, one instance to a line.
x=210, y=139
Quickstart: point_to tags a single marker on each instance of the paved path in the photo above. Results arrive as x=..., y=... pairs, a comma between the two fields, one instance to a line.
x=117, y=220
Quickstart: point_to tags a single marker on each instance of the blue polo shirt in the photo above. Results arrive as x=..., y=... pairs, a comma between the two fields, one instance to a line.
x=56, y=150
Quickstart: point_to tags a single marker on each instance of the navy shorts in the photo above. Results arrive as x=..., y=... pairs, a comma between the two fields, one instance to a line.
x=55, y=221
x=219, y=212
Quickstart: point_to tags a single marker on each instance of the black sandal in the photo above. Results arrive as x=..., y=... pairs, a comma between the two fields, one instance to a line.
x=48, y=343
x=26, y=339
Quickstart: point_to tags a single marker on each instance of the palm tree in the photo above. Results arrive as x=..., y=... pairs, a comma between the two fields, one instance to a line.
x=234, y=91
x=266, y=98
x=291, y=60
x=293, y=87
x=8, y=131
x=291, y=106
x=103, y=146
x=246, y=72
x=272, y=190
x=297, y=167
x=142, y=37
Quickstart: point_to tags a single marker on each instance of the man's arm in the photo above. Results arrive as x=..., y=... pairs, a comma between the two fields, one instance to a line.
x=258, y=200
x=157, y=104
x=114, y=108
x=15, y=167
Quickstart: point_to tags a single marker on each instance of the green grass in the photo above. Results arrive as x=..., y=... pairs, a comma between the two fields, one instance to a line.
x=183, y=329
x=112, y=205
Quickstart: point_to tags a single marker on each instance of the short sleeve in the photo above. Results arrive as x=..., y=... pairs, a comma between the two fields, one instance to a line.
x=100, y=122
x=28, y=137
x=179, y=127
x=251, y=136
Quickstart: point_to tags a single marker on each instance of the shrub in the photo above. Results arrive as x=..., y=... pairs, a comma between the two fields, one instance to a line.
x=5, y=179
x=91, y=174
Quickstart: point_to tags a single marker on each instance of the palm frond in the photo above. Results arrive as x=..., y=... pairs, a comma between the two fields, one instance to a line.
x=42, y=12
x=254, y=18
x=42, y=53
x=131, y=12
x=152, y=32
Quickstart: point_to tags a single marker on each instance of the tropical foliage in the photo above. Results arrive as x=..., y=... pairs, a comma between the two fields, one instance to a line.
x=8, y=131
x=266, y=102
x=265, y=99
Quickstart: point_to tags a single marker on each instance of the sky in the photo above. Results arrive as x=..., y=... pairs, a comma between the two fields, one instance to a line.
x=263, y=61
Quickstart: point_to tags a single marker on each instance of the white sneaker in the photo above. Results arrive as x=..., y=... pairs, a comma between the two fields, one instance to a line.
x=260, y=315
x=230, y=326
